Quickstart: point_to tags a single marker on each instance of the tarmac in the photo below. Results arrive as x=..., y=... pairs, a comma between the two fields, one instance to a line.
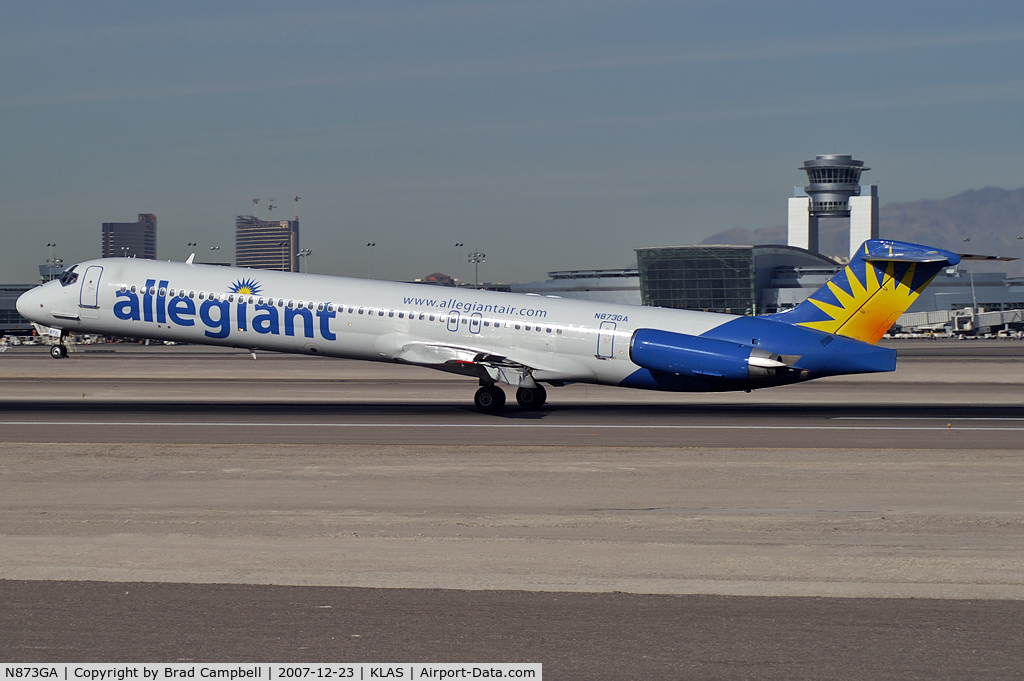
x=788, y=533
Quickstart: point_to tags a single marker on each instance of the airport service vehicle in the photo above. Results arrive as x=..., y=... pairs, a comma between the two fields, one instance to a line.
x=520, y=340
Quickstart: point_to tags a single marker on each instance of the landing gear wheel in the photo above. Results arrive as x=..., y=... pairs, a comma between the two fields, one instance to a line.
x=58, y=351
x=489, y=399
x=531, y=398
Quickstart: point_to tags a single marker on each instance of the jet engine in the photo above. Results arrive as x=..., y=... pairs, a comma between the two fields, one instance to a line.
x=682, y=355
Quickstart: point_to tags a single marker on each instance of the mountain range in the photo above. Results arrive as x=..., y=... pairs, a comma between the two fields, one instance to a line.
x=987, y=221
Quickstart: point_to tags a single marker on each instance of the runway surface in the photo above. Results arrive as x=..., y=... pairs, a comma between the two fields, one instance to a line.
x=833, y=502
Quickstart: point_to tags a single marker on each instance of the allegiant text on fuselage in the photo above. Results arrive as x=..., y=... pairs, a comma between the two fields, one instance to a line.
x=156, y=303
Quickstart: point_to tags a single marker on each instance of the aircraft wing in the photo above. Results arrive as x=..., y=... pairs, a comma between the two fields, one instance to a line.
x=523, y=370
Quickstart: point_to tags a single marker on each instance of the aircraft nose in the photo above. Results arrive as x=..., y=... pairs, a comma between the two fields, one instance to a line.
x=30, y=304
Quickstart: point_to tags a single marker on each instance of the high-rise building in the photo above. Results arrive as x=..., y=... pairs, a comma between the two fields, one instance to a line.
x=130, y=239
x=267, y=244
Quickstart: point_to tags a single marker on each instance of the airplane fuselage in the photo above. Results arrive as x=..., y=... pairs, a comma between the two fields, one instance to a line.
x=518, y=339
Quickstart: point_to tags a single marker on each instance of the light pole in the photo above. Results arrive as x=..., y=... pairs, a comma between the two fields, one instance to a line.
x=284, y=254
x=367, y=260
x=125, y=250
x=51, y=261
x=974, y=296
x=455, y=276
x=304, y=253
x=476, y=257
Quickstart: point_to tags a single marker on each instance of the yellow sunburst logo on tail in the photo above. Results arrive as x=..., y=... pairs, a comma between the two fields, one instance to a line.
x=870, y=307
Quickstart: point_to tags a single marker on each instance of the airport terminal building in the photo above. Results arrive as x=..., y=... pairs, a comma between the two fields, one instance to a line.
x=745, y=280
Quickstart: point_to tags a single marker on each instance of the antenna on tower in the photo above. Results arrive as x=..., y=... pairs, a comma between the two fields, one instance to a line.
x=296, y=208
x=256, y=211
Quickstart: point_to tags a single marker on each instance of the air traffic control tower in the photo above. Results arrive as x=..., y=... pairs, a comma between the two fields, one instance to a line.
x=833, y=191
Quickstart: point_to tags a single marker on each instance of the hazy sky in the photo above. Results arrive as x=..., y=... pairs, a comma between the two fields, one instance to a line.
x=549, y=135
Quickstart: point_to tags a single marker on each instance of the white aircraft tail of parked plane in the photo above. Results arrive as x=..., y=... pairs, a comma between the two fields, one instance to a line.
x=499, y=338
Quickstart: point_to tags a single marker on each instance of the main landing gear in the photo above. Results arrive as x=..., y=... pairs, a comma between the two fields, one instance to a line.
x=491, y=398
x=531, y=398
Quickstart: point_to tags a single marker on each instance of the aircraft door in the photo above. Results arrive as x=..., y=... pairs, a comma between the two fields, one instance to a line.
x=474, y=322
x=89, y=297
x=453, y=321
x=606, y=341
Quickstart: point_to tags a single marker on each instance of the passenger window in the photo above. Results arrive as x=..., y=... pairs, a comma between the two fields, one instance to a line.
x=431, y=317
x=558, y=331
x=202, y=295
x=401, y=315
x=517, y=327
x=320, y=307
x=191, y=294
x=351, y=309
x=422, y=315
x=380, y=313
x=309, y=305
x=261, y=301
x=280, y=302
x=487, y=323
x=391, y=313
x=152, y=290
x=465, y=320
x=252, y=299
x=133, y=288
x=124, y=287
x=361, y=310
x=527, y=327
x=291, y=304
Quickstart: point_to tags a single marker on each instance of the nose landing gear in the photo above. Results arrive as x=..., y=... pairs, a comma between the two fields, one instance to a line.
x=60, y=351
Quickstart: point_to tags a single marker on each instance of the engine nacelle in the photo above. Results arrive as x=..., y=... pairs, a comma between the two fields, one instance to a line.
x=682, y=355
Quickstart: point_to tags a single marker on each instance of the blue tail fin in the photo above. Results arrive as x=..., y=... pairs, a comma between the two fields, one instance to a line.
x=865, y=298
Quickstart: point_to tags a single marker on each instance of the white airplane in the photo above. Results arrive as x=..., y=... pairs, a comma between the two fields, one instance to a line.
x=499, y=338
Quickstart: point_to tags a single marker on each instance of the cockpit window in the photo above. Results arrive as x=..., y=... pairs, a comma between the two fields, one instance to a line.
x=69, y=277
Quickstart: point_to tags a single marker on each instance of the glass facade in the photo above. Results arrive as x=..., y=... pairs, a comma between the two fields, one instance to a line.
x=10, y=320
x=709, y=278
x=839, y=175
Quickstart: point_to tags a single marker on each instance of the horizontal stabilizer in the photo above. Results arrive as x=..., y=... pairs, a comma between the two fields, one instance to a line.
x=986, y=258
x=878, y=250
